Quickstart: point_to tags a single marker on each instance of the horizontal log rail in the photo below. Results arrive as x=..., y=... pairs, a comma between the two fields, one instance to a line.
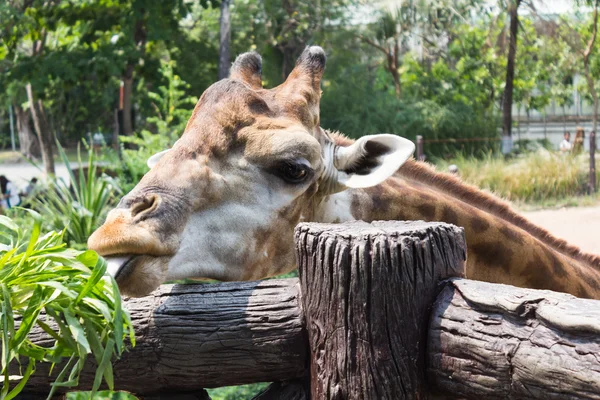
x=490, y=341
x=191, y=337
x=373, y=321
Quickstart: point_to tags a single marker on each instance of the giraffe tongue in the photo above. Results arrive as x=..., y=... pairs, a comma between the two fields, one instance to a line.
x=115, y=264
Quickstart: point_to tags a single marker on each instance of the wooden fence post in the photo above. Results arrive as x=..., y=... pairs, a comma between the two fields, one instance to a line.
x=593, y=162
x=366, y=294
x=420, y=148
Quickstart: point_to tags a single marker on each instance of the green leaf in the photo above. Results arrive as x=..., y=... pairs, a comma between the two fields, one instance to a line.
x=77, y=330
x=89, y=258
x=19, y=387
x=29, y=317
x=105, y=368
x=8, y=223
x=7, y=327
x=97, y=274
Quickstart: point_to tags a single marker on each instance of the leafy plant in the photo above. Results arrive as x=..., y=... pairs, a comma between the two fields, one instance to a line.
x=65, y=293
x=80, y=206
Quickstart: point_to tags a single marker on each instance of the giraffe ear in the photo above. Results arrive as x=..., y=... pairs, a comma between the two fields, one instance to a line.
x=155, y=158
x=371, y=159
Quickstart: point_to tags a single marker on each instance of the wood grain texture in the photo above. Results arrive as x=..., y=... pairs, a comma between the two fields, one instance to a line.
x=490, y=341
x=366, y=294
x=191, y=337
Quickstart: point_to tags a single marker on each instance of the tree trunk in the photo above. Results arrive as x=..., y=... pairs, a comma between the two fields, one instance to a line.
x=594, y=93
x=510, y=68
x=592, y=175
x=191, y=337
x=139, y=37
x=367, y=290
x=42, y=130
x=115, y=135
x=289, y=54
x=586, y=64
x=490, y=341
x=224, y=39
x=394, y=59
x=28, y=142
x=396, y=77
x=127, y=80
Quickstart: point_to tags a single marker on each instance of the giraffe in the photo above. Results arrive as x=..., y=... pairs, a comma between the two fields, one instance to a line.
x=252, y=163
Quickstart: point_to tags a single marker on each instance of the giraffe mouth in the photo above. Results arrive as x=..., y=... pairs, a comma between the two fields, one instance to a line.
x=117, y=266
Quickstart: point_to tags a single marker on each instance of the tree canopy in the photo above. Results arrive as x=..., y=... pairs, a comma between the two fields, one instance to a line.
x=436, y=67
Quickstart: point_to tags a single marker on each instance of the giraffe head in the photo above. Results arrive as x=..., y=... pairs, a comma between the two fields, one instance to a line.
x=222, y=203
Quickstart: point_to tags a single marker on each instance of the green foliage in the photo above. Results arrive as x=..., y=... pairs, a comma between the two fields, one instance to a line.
x=64, y=292
x=172, y=109
x=171, y=104
x=358, y=105
x=532, y=177
x=78, y=207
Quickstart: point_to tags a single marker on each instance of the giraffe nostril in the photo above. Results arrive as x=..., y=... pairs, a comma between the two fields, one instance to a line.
x=145, y=205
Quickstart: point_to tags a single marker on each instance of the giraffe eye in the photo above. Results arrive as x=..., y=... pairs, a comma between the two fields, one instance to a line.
x=293, y=172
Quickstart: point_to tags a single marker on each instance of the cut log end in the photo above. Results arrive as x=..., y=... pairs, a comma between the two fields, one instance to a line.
x=366, y=294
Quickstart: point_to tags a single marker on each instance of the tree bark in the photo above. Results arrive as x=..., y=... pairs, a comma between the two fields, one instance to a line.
x=490, y=341
x=224, y=40
x=28, y=142
x=513, y=8
x=42, y=130
x=115, y=136
x=139, y=37
x=366, y=294
x=392, y=57
x=127, y=95
x=191, y=337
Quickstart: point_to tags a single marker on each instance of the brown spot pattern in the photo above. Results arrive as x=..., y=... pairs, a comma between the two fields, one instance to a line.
x=427, y=211
x=494, y=254
x=479, y=225
x=449, y=215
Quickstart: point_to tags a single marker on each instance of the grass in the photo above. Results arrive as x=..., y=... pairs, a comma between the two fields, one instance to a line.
x=534, y=179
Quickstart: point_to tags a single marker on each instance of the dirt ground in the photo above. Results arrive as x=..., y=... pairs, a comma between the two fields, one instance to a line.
x=579, y=226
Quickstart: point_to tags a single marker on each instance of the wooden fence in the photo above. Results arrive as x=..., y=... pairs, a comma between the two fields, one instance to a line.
x=379, y=312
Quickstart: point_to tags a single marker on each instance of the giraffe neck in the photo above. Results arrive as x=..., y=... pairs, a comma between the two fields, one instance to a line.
x=502, y=247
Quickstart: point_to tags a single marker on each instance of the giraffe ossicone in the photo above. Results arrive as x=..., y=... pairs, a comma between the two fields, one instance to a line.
x=223, y=202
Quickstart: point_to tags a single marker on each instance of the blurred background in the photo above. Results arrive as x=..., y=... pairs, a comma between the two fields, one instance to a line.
x=438, y=68
x=89, y=89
